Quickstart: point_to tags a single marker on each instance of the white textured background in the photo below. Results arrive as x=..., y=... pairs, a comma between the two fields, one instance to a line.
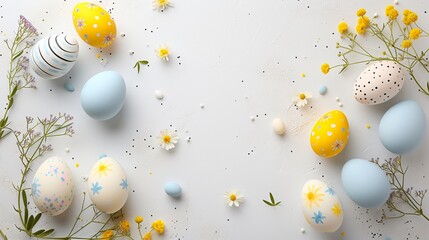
x=239, y=58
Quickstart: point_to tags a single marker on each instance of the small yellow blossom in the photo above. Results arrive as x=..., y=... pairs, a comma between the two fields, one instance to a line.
x=163, y=52
x=360, y=29
x=364, y=21
x=147, y=236
x=409, y=17
x=361, y=12
x=107, y=235
x=406, y=43
x=124, y=226
x=138, y=219
x=343, y=27
x=391, y=12
x=325, y=68
x=161, y=5
x=415, y=33
x=158, y=226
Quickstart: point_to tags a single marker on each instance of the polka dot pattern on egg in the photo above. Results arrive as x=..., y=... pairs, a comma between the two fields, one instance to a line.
x=379, y=83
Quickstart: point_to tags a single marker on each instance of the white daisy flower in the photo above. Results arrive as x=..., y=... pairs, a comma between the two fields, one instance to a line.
x=161, y=5
x=167, y=139
x=234, y=198
x=301, y=99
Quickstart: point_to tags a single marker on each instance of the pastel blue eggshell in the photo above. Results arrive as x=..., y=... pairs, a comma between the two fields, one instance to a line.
x=323, y=90
x=402, y=127
x=365, y=183
x=173, y=189
x=103, y=95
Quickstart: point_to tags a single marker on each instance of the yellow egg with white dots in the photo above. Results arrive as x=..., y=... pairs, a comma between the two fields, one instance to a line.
x=330, y=134
x=94, y=24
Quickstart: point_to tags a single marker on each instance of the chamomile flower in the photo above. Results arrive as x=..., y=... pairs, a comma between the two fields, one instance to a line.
x=167, y=139
x=301, y=99
x=161, y=5
x=234, y=198
x=163, y=52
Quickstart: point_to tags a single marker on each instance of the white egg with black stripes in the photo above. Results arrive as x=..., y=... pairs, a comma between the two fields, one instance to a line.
x=52, y=57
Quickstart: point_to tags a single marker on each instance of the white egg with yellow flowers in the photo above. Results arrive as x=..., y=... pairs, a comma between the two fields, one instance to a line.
x=108, y=185
x=94, y=24
x=321, y=206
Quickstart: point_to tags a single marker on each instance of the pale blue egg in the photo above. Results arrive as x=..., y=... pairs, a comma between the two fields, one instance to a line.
x=402, y=127
x=103, y=95
x=173, y=189
x=323, y=90
x=365, y=183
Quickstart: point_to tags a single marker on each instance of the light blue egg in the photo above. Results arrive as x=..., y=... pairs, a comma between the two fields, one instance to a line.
x=365, y=183
x=323, y=90
x=103, y=95
x=402, y=127
x=173, y=189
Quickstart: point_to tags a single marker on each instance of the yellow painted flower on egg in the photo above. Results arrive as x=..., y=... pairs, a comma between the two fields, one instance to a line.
x=301, y=99
x=158, y=226
x=233, y=198
x=406, y=43
x=342, y=28
x=325, y=68
x=361, y=12
x=336, y=209
x=161, y=5
x=167, y=139
x=147, y=236
x=103, y=168
x=414, y=33
x=313, y=196
x=163, y=52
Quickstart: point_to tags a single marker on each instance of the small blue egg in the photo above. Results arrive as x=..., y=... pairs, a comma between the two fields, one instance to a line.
x=102, y=155
x=69, y=87
x=365, y=183
x=173, y=189
x=402, y=127
x=323, y=90
x=103, y=95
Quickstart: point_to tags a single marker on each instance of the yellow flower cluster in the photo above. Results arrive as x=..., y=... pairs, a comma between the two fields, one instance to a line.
x=325, y=68
x=107, y=234
x=147, y=236
x=363, y=21
x=409, y=17
x=406, y=43
x=343, y=27
x=158, y=226
x=414, y=33
x=391, y=12
x=124, y=226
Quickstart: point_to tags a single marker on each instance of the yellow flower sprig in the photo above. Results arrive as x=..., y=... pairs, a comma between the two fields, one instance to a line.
x=158, y=226
x=397, y=37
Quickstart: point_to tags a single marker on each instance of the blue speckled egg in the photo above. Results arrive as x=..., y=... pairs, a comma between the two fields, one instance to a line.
x=365, y=183
x=173, y=189
x=402, y=127
x=103, y=95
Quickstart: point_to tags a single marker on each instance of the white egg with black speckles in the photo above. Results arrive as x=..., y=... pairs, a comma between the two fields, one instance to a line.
x=53, y=56
x=379, y=83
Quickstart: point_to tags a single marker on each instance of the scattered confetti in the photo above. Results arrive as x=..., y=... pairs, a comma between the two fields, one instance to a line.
x=159, y=95
x=67, y=150
x=375, y=15
x=340, y=104
x=302, y=230
x=122, y=34
x=337, y=99
x=396, y=2
x=252, y=118
x=98, y=55
x=201, y=106
x=131, y=52
x=368, y=126
x=303, y=75
x=343, y=234
x=77, y=165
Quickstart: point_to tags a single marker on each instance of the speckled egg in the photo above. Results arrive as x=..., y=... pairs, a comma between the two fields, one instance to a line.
x=103, y=95
x=94, y=25
x=379, y=83
x=53, y=187
x=52, y=57
x=402, y=127
x=108, y=185
x=321, y=206
x=330, y=134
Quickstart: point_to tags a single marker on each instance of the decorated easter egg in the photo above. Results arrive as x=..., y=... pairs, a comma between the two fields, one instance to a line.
x=103, y=95
x=173, y=189
x=53, y=187
x=321, y=206
x=330, y=134
x=379, y=83
x=108, y=185
x=402, y=127
x=365, y=183
x=52, y=57
x=94, y=25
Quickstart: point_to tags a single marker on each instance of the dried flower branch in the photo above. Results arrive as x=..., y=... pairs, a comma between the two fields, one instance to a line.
x=397, y=40
x=17, y=76
x=403, y=201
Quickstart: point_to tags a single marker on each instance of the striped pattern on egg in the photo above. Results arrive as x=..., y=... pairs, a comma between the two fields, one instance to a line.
x=52, y=57
x=379, y=83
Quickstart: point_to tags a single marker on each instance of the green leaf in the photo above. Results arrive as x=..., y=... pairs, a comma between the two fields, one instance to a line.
x=45, y=233
x=25, y=215
x=3, y=235
x=29, y=225
x=17, y=55
x=268, y=203
x=277, y=203
x=272, y=198
x=24, y=198
x=37, y=218
x=15, y=89
x=427, y=85
x=10, y=104
x=144, y=62
x=38, y=232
